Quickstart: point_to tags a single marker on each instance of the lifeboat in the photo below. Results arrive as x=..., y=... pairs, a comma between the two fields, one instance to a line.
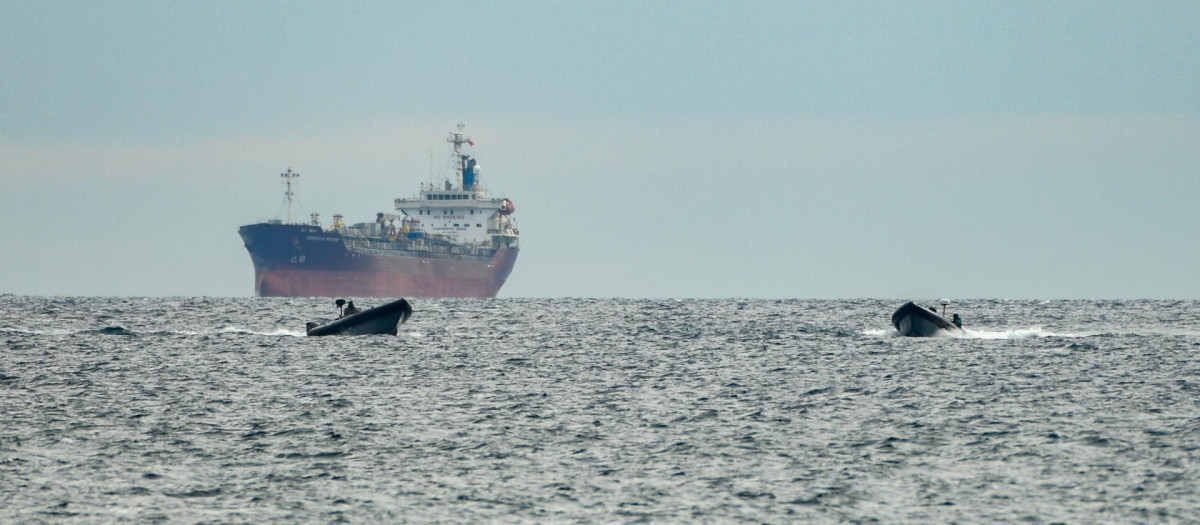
x=507, y=207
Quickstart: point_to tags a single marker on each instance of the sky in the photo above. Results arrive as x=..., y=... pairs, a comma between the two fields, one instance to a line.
x=673, y=149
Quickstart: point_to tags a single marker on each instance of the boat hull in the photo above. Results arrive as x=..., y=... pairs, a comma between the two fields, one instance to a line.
x=380, y=320
x=304, y=261
x=916, y=321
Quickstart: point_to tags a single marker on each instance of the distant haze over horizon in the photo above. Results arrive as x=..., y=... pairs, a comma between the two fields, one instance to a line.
x=808, y=150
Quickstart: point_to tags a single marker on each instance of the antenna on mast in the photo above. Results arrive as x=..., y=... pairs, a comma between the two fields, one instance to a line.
x=458, y=139
x=287, y=177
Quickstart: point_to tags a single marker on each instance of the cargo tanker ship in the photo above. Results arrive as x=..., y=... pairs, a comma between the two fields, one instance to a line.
x=452, y=240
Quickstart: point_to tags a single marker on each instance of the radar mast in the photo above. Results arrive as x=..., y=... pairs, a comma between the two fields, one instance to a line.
x=458, y=139
x=287, y=177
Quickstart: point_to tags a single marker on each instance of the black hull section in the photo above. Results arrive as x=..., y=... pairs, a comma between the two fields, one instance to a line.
x=916, y=321
x=384, y=319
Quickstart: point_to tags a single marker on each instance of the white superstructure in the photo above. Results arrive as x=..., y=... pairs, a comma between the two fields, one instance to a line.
x=459, y=211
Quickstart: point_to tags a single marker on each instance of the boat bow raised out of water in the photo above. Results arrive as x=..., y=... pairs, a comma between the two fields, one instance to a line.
x=384, y=319
x=917, y=321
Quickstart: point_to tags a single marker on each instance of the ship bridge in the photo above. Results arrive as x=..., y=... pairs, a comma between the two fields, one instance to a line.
x=461, y=209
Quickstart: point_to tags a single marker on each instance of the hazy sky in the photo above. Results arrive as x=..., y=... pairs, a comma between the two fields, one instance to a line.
x=786, y=149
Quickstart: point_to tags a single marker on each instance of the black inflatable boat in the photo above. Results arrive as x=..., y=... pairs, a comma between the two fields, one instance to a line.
x=384, y=319
x=917, y=321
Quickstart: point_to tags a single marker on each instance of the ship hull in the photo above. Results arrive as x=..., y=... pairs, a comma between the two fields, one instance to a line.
x=304, y=261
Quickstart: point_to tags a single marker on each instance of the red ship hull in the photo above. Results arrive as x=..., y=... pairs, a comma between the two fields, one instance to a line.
x=407, y=277
x=302, y=261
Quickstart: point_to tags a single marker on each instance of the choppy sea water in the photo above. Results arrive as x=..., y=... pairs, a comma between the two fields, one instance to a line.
x=221, y=410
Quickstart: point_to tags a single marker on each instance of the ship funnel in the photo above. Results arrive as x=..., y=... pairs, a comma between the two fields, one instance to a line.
x=470, y=174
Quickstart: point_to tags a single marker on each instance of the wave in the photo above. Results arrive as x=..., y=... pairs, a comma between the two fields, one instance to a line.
x=26, y=331
x=276, y=332
x=117, y=330
x=1035, y=332
x=1038, y=332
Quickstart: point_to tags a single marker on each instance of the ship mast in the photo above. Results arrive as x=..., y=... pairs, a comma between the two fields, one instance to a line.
x=458, y=139
x=288, y=176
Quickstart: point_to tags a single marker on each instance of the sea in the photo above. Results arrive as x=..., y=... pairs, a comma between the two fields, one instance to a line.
x=221, y=410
